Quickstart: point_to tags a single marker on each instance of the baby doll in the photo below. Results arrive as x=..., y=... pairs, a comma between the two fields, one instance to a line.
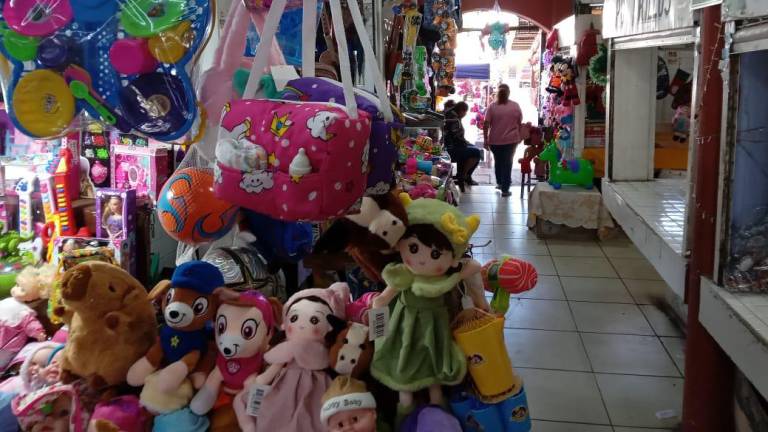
x=348, y=407
x=52, y=409
x=112, y=219
x=244, y=325
x=18, y=322
x=42, y=367
x=297, y=366
x=418, y=350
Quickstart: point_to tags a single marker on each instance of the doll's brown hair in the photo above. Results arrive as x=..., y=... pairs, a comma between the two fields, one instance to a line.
x=429, y=235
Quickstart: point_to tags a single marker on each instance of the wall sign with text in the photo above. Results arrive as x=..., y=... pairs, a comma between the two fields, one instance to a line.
x=633, y=17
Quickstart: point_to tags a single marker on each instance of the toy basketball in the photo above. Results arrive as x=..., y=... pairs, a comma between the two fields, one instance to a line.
x=190, y=212
x=512, y=275
x=507, y=276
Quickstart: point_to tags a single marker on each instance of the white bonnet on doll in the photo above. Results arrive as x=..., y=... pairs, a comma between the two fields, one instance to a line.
x=30, y=354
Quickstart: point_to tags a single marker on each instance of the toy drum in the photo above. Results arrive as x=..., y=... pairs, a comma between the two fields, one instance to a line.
x=480, y=336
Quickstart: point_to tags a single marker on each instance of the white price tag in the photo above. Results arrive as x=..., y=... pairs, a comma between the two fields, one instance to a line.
x=378, y=321
x=255, y=397
x=466, y=302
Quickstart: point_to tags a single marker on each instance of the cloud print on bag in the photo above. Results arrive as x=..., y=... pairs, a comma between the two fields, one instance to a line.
x=319, y=123
x=257, y=182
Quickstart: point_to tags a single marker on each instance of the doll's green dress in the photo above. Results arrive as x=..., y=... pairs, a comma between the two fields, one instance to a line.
x=418, y=350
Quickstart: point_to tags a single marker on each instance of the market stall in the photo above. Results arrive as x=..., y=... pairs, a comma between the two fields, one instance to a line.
x=652, y=76
x=732, y=304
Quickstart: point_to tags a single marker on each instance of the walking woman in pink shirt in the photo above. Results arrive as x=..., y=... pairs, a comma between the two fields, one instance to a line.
x=502, y=134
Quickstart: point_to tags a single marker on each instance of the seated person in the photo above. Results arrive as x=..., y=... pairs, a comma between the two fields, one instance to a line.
x=466, y=156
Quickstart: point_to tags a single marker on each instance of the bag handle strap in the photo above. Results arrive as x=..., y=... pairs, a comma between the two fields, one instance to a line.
x=370, y=61
x=262, y=52
x=308, y=38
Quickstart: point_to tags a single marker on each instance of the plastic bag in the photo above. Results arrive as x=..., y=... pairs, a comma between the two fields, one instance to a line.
x=124, y=62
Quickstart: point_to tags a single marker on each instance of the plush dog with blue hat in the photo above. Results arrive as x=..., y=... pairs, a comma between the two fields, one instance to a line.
x=189, y=302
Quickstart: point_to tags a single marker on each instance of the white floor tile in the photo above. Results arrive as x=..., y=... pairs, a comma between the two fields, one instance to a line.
x=606, y=290
x=546, y=349
x=610, y=318
x=635, y=400
x=662, y=325
x=625, y=354
x=563, y=396
x=620, y=248
x=548, y=426
x=475, y=207
x=647, y=291
x=547, y=288
x=520, y=246
x=584, y=266
x=544, y=265
x=539, y=314
x=574, y=248
x=676, y=348
x=511, y=218
x=635, y=268
x=514, y=231
x=486, y=218
x=485, y=230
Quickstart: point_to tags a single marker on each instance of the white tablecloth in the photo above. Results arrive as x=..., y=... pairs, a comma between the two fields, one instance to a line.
x=573, y=206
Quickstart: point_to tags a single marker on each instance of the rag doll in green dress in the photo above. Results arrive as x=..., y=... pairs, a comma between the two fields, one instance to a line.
x=418, y=350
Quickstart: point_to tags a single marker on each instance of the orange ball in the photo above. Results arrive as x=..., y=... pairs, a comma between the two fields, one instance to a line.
x=190, y=212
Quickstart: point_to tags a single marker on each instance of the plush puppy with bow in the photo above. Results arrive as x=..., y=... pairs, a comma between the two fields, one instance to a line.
x=370, y=236
x=188, y=304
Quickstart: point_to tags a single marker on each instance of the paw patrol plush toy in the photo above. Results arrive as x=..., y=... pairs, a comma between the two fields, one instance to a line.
x=188, y=306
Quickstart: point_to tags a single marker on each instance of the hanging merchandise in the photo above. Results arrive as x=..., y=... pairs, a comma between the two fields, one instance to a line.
x=411, y=72
x=188, y=210
x=416, y=99
x=125, y=63
x=444, y=59
x=497, y=37
x=587, y=46
x=598, y=66
x=291, y=163
x=662, y=79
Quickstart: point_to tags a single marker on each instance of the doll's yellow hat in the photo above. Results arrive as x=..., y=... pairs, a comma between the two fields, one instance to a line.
x=456, y=227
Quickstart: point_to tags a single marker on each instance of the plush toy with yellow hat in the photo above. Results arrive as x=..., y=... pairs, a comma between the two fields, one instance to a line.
x=418, y=350
x=348, y=406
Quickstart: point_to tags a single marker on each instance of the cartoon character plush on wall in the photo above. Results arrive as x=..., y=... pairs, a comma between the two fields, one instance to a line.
x=188, y=304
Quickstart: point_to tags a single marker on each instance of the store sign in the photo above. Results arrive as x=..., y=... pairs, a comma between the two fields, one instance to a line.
x=632, y=17
x=699, y=4
x=740, y=9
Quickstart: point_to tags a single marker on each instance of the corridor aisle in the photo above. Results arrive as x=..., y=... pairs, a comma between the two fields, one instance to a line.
x=594, y=351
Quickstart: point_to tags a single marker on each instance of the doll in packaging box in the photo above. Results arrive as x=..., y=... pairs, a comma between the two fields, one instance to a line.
x=418, y=350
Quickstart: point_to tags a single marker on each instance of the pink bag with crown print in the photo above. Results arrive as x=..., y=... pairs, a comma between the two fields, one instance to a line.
x=296, y=160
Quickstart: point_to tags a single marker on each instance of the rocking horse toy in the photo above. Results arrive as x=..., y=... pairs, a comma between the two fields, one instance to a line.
x=574, y=171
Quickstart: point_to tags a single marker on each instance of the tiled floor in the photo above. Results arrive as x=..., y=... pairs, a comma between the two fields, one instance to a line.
x=594, y=350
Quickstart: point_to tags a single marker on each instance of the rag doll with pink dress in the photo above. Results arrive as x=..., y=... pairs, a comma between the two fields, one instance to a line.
x=297, y=366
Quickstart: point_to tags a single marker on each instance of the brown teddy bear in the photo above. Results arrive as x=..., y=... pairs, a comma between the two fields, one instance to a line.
x=111, y=323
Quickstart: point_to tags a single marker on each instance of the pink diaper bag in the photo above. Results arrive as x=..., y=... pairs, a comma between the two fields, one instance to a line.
x=296, y=160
